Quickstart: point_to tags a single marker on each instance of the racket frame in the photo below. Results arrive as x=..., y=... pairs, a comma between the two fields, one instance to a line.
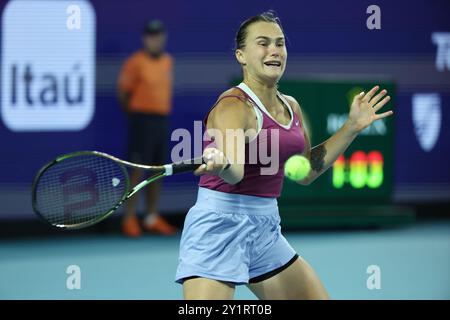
x=159, y=172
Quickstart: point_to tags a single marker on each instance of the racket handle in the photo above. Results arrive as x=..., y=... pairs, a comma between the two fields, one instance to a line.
x=187, y=165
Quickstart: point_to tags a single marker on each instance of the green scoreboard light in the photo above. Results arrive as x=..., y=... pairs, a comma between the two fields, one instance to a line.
x=358, y=188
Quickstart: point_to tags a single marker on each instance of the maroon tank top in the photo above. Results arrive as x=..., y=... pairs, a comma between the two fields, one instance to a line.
x=263, y=169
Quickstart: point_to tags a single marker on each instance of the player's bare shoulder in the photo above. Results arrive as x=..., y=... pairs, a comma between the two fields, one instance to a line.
x=232, y=104
x=233, y=96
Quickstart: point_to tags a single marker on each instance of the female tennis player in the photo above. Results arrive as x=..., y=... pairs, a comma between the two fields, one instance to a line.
x=232, y=234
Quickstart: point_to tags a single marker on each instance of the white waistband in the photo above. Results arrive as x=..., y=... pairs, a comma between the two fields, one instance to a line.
x=231, y=202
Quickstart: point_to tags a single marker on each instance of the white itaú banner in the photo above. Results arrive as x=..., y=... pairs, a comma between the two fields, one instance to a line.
x=48, y=65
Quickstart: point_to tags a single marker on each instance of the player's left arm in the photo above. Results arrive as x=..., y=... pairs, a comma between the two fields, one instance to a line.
x=362, y=114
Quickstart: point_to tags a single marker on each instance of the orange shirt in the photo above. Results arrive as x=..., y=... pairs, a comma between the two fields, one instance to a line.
x=149, y=82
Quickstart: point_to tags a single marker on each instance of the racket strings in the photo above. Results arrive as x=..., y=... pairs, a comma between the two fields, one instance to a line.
x=80, y=189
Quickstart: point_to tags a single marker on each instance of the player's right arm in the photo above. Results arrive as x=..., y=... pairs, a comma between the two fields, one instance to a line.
x=227, y=124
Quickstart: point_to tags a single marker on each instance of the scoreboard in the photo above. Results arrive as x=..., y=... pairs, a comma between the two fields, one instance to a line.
x=363, y=174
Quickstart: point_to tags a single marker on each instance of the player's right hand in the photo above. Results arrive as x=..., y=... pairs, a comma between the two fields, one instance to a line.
x=215, y=162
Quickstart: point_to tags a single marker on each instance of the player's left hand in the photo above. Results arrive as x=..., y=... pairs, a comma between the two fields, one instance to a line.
x=364, y=107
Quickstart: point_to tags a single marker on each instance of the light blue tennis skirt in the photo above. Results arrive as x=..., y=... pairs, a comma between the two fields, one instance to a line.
x=232, y=237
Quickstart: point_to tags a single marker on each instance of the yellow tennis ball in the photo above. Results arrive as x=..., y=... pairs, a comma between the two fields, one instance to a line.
x=297, y=167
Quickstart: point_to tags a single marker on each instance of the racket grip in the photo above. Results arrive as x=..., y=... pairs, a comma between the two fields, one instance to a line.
x=187, y=165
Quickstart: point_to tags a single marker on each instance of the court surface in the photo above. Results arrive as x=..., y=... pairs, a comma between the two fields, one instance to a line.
x=414, y=262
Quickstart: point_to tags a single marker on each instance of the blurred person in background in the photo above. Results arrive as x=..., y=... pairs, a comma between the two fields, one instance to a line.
x=145, y=93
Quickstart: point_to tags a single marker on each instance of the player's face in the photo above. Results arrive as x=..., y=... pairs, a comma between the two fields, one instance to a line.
x=264, y=54
x=154, y=43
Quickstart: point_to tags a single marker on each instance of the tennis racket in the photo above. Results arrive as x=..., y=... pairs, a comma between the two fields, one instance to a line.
x=80, y=189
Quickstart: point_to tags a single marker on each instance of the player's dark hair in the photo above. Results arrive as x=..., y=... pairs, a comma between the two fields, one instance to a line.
x=241, y=35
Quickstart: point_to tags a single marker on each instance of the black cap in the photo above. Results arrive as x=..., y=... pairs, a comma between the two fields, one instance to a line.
x=154, y=27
